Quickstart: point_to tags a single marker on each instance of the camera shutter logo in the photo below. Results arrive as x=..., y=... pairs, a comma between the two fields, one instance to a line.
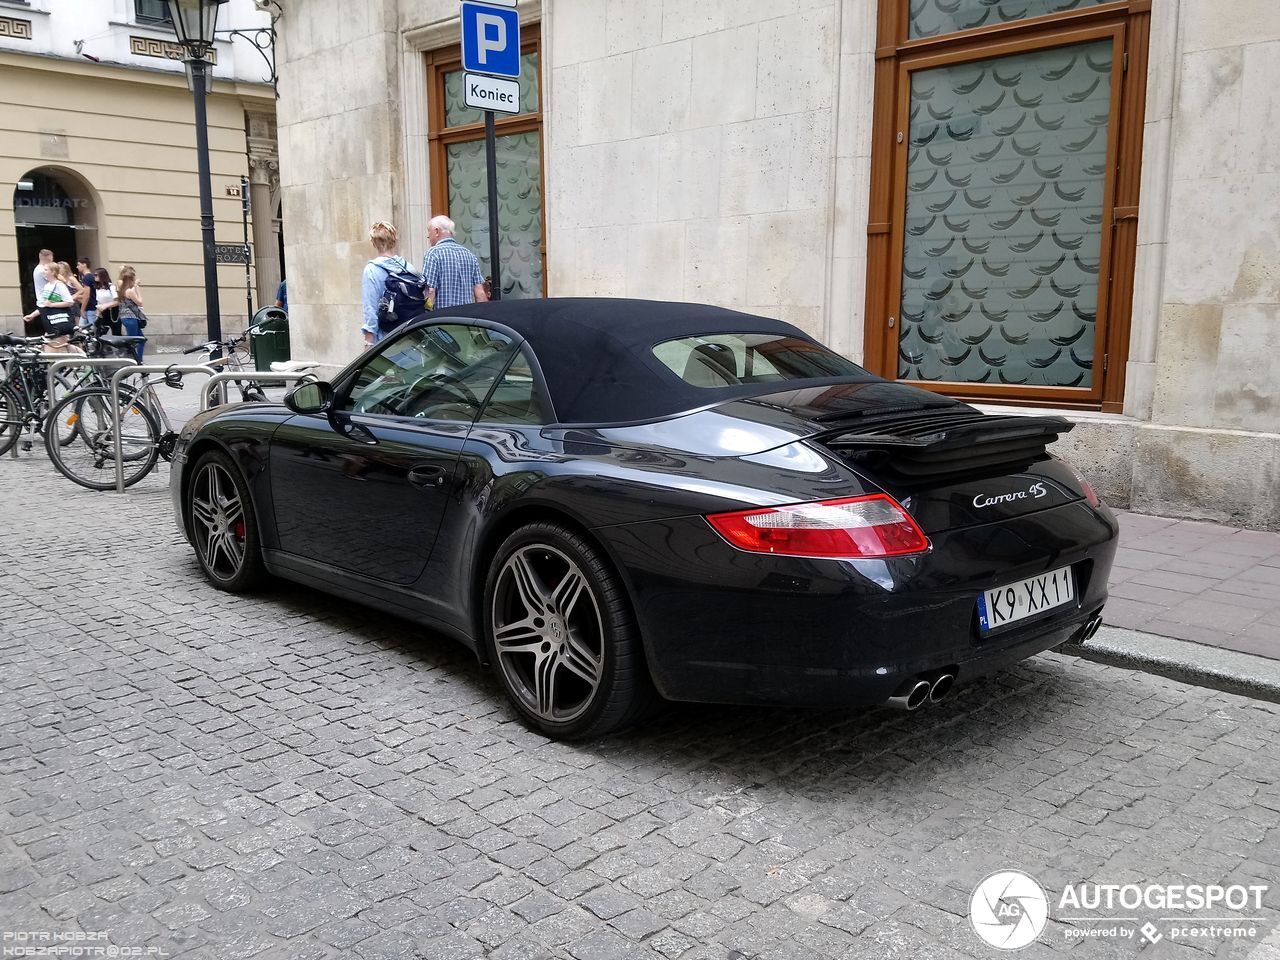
x=1008, y=910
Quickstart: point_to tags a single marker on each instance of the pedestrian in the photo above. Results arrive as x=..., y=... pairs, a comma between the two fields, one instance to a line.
x=450, y=272
x=282, y=296
x=53, y=308
x=89, y=302
x=386, y=240
x=129, y=309
x=34, y=322
x=72, y=280
x=108, y=304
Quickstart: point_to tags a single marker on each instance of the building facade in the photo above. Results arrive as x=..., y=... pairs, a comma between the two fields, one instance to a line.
x=1048, y=204
x=99, y=158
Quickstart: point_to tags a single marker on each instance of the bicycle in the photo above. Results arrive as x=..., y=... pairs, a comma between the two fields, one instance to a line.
x=24, y=399
x=233, y=355
x=146, y=434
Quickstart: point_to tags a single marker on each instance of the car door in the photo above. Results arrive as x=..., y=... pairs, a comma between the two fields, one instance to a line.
x=364, y=486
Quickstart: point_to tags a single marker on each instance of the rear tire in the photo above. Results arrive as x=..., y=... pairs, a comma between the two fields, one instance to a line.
x=224, y=529
x=89, y=459
x=10, y=419
x=561, y=635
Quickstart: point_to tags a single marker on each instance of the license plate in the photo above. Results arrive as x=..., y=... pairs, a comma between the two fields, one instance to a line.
x=1017, y=601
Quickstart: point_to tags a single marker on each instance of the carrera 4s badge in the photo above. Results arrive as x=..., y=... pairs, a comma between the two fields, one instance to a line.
x=1033, y=492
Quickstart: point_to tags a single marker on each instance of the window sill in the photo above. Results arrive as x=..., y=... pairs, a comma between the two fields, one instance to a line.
x=23, y=7
x=1074, y=414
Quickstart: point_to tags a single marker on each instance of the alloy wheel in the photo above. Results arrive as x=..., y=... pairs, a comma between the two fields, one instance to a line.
x=548, y=634
x=218, y=521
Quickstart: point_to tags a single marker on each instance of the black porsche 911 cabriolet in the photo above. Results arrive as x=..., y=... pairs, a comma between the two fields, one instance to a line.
x=615, y=501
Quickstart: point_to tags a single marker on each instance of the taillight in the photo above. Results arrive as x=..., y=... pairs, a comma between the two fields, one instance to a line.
x=871, y=526
x=1085, y=486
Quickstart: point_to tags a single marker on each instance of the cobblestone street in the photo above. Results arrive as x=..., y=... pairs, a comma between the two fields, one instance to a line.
x=292, y=777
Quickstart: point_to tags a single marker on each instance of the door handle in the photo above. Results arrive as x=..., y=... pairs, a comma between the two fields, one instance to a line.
x=427, y=476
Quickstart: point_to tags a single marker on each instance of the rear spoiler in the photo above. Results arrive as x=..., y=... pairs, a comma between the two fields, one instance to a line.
x=937, y=445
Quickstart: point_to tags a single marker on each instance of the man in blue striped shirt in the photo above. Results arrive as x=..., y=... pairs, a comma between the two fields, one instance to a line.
x=450, y=272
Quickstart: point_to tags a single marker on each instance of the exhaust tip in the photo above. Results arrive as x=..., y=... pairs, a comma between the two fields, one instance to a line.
x=1094, y=626
x=910, y=696
x=942, y=687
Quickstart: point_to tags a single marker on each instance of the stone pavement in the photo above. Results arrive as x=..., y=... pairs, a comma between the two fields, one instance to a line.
x=289, y=776
x=1203, y=582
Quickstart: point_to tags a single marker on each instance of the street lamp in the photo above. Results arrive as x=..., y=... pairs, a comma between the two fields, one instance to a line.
x=194, y=21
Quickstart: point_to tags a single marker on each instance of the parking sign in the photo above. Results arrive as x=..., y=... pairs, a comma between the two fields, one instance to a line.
x=490, y=39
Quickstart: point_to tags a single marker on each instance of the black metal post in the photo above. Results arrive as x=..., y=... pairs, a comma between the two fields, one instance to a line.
x=212, y=310
x=491, y=160
x=248, y=274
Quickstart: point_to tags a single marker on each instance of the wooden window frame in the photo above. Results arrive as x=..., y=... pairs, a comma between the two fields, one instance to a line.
x=440, y=137
x=1128, y=23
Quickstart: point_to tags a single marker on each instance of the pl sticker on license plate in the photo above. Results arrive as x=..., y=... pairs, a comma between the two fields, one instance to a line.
x=1026, y=598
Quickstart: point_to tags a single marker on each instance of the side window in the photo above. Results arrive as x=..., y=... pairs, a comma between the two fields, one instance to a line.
x=440, y=372
x=515, y=398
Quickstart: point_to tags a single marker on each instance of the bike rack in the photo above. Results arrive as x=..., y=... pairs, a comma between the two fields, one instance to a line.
x=146, y=368
x=60, y=361
x=218, y=380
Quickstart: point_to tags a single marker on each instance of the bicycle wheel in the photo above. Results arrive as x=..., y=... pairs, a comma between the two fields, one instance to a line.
x=10, y=419
x=91, y=461
x=64, y=386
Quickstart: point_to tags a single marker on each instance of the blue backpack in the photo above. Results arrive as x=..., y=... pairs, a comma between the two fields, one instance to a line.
x=402, y=296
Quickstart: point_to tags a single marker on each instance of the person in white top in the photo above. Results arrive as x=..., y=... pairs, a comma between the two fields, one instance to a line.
x=38, y=282
x=53, y=303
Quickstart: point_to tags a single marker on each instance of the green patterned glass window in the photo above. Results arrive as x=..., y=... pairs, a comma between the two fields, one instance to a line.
x=456, y=111
x=519, y=210
x=1006, y=173
x=931, y=18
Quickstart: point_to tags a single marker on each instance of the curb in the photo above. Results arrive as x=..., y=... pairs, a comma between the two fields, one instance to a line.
x=1193, y=663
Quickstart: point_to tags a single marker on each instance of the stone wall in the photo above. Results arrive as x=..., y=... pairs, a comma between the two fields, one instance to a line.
x=1211, y=266
x=689, y=152
x=341, y=164
x=719, y=152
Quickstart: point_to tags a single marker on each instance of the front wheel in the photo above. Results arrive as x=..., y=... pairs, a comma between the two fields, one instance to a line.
x=224, y=531
x=561, y=635
x=89, y=456
x=11, y=419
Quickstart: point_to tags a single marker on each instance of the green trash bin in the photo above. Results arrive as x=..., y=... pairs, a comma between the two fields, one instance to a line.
x=269, y=337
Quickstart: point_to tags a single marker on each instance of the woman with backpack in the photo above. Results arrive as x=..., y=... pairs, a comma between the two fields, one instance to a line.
x=387, y=304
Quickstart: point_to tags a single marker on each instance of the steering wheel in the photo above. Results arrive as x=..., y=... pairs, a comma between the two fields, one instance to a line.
x=452, y=384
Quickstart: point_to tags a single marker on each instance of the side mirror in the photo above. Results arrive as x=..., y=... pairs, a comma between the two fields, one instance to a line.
x=310, y=396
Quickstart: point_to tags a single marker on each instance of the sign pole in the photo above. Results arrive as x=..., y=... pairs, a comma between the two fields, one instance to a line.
x=248, y=282
x=491, y=160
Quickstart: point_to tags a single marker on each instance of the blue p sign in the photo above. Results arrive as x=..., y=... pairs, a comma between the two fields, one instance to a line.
x=490, y=39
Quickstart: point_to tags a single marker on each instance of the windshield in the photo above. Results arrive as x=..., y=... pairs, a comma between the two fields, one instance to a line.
x=730, y=359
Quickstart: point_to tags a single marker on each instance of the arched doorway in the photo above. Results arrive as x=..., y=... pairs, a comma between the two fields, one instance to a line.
x=53, y=209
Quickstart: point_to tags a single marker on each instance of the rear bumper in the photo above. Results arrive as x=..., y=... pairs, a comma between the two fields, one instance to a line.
x=724, y=626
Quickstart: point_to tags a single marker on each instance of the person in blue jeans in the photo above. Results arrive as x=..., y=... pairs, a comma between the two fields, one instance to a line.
x=129, y=293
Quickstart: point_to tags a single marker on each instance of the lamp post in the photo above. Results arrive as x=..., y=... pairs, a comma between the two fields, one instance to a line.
x=194, y=22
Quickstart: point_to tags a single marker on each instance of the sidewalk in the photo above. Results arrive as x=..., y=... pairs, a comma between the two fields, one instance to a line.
x=1210, y=584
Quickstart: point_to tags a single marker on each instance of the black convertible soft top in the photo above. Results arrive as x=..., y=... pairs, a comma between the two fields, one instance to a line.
x=597, y=353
